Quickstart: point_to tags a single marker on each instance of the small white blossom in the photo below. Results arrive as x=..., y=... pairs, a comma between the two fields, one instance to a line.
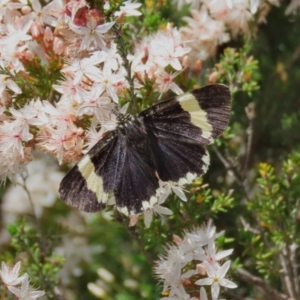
x=166, y=189
x=86, y=67
x=12, y=136
x=158, y=209
x=26, y=116
x=71, y=89
x=7, y=8
x=216, y=278
x=41, y=13
x=165, y=82
x=187, y=253
x=10, y=276
x=212, y=256
x=166, y=51
x=57, y=8
x=129, y=9
x=254, y=4
x=5, y=82
x=203, y=32
x=25, y=292
x=17, y=31
x=108, y=82
x=92, y=34
x=293, y=7
x=110, y=58
x=93, y=135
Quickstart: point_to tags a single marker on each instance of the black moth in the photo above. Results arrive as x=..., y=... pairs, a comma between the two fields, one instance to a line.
x=166, y=141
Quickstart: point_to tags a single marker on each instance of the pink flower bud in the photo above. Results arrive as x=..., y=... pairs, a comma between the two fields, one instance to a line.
x=48, y=34
x=176, y=239
x=37, y=30
x=213, y=77
x=58, y=46
x=28, y=55
x=198, y=66
x=186, y=61
x=145, y=52
x=26, y=10
x=121, y=17
x=133, y=220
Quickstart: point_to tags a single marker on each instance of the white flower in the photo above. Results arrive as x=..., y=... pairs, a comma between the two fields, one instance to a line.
x=108, y=82
x=10, y=276
x=177, y=294
x=216, y=278
x=211, y=255
x=166, y=188
x=166, y=51
x=92, y=103
x=110, y=57
x=17, y=30
x=170, y=267
x=41, y=14
x=7, y=8
x=292, y=7
x=173, y=279
x=26, y=116
x=254, y=4
x=204, y=234
x=12, y=136
x=25, y=292
x=93, y=135
x=186, y=253
x=5, y=82
x=85, y=67
x=129, y=9
x=92, y=34
x=156, y=208
x=157, y=52
x=165, y=82
x=57, y=8
x=203, y=33
x=12, y=163
x=71, y=90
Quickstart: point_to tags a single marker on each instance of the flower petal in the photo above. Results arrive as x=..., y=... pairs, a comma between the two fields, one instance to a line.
x=203, y=295
x=227, y=283
x=215, y=291
x=204, y=281
x=223, y=270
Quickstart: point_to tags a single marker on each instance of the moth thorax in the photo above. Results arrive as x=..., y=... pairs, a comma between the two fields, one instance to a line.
x=133, y=130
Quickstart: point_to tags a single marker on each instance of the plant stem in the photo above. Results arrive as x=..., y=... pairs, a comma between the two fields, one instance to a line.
x=123, y=51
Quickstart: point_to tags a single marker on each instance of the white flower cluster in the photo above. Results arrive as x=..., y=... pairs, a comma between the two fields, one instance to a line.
x=213, y=22
x=162, y=193
x=18, y=285
x=194, y=256
x=157, y=53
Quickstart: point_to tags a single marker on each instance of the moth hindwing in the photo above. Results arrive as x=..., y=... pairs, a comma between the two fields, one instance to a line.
x=164, y=142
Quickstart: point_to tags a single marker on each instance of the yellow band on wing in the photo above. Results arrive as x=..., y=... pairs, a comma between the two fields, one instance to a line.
x=198, y=116
x=94, y=182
